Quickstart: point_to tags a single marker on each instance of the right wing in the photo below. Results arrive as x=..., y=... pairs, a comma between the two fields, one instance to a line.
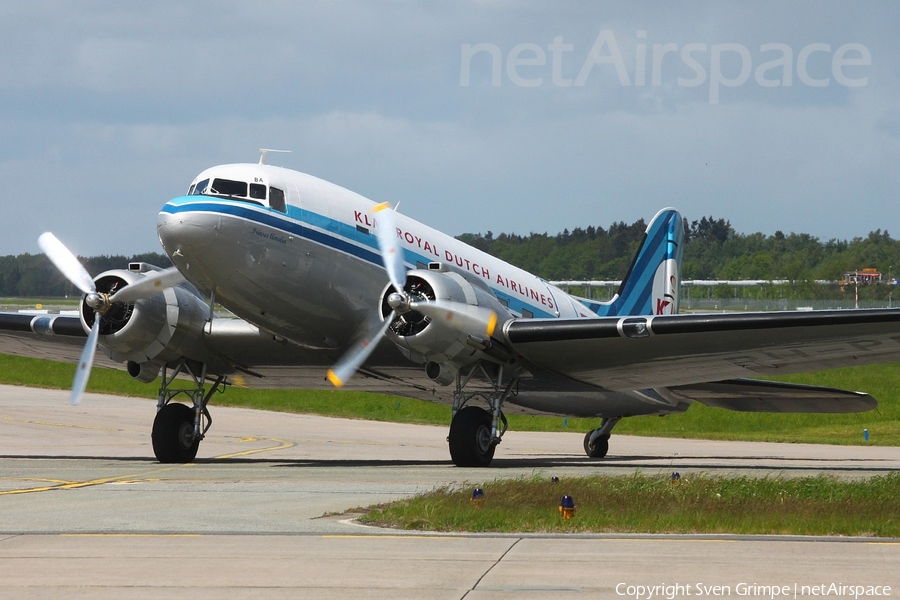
x=628, y=353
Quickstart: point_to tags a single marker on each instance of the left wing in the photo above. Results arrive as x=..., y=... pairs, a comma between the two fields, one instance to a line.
x=248, y=356
x=682, y=350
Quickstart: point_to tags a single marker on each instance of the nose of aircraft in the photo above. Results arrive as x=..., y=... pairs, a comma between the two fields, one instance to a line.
x=184, y=229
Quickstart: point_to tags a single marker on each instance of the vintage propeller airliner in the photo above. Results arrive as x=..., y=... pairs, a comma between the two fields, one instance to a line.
x=331, y=289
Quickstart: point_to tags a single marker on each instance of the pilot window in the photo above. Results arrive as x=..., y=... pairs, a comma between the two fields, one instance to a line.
x=200, y=188
x=276, y=199
x=229, y=187
x=258, y=191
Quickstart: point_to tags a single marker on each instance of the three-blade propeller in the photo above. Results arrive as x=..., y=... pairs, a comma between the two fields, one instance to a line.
x=399, y=301
x=72, y=270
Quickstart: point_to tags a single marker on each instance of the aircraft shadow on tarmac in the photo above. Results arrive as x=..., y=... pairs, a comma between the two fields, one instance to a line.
x=627, y=463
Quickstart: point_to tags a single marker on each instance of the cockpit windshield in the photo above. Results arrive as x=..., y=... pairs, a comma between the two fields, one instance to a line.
x=199, y=189
x=228, y=187
x=239, y=190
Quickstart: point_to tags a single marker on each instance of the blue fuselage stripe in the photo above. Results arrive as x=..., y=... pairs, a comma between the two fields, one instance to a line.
x=286, y=225
x=308, y=225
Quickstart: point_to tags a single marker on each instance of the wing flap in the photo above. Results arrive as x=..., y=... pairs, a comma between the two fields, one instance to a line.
x=749, y=395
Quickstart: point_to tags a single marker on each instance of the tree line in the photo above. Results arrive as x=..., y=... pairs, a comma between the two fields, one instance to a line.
x=34, y=276
x=713, y=250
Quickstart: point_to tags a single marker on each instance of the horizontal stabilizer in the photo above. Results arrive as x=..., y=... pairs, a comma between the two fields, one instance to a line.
x=751, y=395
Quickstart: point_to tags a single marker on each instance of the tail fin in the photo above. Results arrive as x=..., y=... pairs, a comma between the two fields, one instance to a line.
x=653, y=282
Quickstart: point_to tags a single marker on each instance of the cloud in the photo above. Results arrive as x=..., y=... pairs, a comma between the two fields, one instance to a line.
x=110, y=109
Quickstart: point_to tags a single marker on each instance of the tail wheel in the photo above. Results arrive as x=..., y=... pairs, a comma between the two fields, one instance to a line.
x=173, y=434
x=471, y=443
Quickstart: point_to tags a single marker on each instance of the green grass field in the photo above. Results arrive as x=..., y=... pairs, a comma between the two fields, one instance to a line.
x=29, y=303
x=654, y=504
x=882, y=381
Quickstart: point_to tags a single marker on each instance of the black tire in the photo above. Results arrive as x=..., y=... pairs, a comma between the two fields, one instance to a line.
x=173, y=432
x=470, y=438
x=599, y=448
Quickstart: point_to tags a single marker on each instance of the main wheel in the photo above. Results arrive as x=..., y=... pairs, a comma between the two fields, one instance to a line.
x=471, y=444
x=173, y=434
x=599, y=448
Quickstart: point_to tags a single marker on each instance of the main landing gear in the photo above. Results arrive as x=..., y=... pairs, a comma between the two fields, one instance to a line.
x=178, y=428
x=474, y=431
x=596, y=442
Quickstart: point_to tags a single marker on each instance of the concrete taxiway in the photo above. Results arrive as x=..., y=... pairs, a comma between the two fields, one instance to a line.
x=85, y=511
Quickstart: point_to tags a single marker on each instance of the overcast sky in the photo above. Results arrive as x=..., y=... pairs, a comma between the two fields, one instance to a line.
x=476, y=116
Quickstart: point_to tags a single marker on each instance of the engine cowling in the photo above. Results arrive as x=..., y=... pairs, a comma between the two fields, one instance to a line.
x=150, y=332
x=445, y=340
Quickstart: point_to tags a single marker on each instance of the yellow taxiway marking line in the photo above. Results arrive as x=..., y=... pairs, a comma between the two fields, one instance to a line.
x=50, y=424
x=43, y=479
x=876, y=543
x=74, y=485
x=136, y=478
x=282, y=445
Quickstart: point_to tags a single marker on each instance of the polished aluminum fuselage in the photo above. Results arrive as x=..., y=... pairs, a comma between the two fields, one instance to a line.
x=313, y=275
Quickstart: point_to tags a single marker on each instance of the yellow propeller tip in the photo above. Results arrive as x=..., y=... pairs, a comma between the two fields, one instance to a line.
x=381, y=207
x=334, y=379
x=492, y=324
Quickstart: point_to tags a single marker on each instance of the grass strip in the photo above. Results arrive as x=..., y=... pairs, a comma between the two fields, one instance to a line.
x=882, y=381
x=701, y=504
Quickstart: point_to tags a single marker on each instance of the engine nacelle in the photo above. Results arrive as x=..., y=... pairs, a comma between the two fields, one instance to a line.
x=447, y=340
x=150, y=332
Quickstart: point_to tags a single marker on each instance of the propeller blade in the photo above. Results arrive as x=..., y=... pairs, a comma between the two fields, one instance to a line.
x=344, y=369
x=151, y=284
x=391, y=253
x=66, y=262
x=85, y=363
x=392, y=256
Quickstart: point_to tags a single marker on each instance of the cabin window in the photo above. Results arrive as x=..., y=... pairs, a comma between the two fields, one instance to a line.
x=200, y=188
x=276, y=199
x=191, y=191
x=229, y=187
x=258, y=191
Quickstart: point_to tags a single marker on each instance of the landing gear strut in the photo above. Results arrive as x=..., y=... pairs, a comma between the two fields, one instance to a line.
x=178, y=428
x=474, y=431
x=596, y=442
